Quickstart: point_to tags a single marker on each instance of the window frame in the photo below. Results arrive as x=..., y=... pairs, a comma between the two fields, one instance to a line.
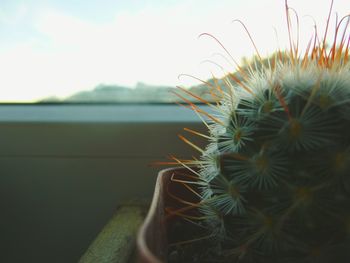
x=65, y=168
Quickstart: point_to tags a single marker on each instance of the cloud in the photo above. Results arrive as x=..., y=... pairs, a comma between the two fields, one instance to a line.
x=153, y=45
x=10, y=18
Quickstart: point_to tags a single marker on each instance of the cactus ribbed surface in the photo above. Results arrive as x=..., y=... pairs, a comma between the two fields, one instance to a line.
x=274, y=179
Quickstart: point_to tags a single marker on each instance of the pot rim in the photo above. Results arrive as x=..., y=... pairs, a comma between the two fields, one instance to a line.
x=143, y=249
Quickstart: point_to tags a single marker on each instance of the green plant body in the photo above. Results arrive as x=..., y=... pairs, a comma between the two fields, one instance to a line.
x=274, y=179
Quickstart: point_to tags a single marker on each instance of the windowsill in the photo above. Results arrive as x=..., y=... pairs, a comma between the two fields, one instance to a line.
x=96, y=113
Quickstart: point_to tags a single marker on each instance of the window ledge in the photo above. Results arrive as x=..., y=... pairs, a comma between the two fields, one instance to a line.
x=96, y=113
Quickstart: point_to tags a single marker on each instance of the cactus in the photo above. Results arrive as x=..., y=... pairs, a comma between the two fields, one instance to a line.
x=274, y=179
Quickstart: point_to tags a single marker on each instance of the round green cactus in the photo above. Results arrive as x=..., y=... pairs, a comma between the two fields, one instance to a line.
x=274, y=179
x=276, y=174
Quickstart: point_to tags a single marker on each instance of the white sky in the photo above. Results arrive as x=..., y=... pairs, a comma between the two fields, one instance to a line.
x=59, y=47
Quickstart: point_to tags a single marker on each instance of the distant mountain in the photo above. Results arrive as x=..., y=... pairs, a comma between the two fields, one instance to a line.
x=114, y=93
x=140, y=93
x=145, y=93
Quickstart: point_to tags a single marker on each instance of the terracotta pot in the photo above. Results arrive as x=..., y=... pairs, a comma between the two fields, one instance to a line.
x=152, y=237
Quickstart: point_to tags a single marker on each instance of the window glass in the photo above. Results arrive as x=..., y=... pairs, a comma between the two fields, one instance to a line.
x=135, y=50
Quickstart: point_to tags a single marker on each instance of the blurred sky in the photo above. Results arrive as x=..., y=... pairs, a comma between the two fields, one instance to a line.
x=59, y=47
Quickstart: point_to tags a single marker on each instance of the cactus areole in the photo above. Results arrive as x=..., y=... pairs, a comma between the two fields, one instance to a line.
x=274, y=179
